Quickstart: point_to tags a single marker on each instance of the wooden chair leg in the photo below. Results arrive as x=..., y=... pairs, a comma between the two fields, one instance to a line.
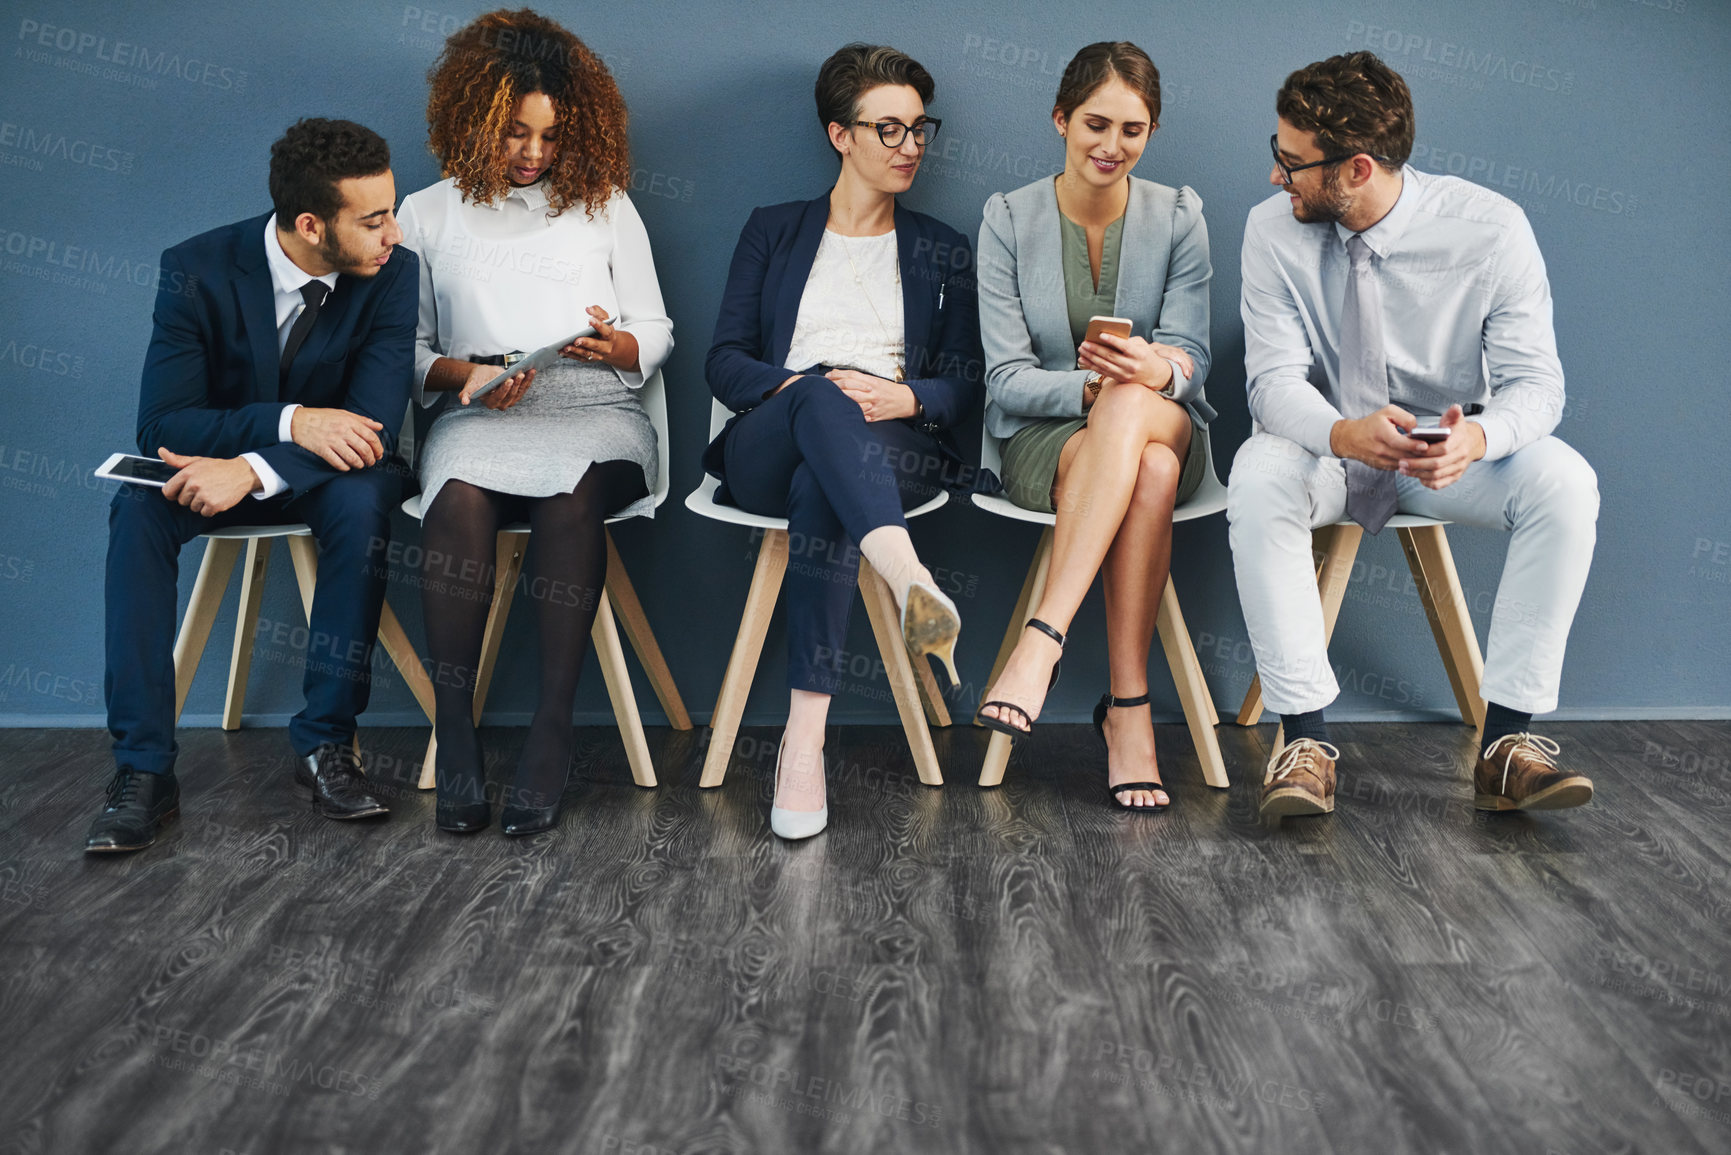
x=403, y=656
x=1191, y=685
x=220, y=555
x=880, y=606
x=508, y=567
x=304, y=552
x=618, y=678
x=1335, y=547
x=1445, y=606
x=760, y=602
x=931, y=697
x=1033, y=589
x=245, y=629
x=635, y=627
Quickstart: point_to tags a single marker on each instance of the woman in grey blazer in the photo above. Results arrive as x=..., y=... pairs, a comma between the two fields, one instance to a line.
x=1108, y=433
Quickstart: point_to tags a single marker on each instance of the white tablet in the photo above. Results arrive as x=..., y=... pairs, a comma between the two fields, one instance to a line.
x=137, y=470
x=539, y=359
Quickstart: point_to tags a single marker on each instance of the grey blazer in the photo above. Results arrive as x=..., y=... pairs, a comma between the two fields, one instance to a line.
x=1163, y=275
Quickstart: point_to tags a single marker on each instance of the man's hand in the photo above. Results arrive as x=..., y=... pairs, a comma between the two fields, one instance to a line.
x=208, y=485
x=880, y=400
x=1379, y=439
x=1442, y=464
x=345, y=440
x=506, y=395
x=1133, y=359
x=609, y=346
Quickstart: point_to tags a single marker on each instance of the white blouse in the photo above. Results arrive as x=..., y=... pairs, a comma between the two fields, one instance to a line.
x=508, y=276
x=850, y=314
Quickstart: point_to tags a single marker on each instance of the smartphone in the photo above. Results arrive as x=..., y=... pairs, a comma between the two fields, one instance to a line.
x=137, y=470
x=1119, y=326
x=1430, y=433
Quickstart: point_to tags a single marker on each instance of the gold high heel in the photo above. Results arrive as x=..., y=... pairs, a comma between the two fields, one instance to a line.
x=930, y=625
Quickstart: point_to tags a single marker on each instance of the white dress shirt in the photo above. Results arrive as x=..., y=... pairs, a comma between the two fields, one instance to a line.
x=850, y=313
x=287, y=279
x=510, y=276
x=1466, y=314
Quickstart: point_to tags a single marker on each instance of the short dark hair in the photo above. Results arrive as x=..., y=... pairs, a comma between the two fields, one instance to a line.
x=310, y=158
x=1353, y=103
x=855, y=70
x=1094, y=65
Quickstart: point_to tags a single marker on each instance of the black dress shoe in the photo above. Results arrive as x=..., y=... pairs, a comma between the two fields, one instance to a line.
x=333, y=774
x=462, y=806
x=517, y=821
x=138, y=803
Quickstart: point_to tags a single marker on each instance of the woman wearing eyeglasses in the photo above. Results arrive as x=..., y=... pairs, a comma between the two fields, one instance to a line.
x=529, y=239
x=1108, y=434
x=847, y=347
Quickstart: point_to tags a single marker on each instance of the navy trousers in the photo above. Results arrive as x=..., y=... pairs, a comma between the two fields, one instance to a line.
x=350, y=517
x=809, y=455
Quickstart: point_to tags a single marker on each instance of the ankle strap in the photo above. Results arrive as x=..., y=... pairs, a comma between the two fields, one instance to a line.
x=1140, y=700
x=1037, y=624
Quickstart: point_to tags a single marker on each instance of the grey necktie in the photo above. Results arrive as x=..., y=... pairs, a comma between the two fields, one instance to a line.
x=1370, y=492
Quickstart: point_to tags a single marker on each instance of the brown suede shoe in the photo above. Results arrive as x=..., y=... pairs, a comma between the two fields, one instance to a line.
x=1516, y=773
x=1300, y=780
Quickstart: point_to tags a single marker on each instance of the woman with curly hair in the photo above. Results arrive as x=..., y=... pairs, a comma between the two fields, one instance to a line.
x=529, y=238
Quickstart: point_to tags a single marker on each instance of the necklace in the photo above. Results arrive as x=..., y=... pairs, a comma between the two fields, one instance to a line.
x=847, y=251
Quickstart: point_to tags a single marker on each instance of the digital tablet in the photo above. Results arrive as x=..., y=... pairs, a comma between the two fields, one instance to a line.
x=539, y=359
x=137, y=470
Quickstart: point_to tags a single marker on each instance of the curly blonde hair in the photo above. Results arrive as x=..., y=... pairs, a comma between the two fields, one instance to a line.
x=476, y=83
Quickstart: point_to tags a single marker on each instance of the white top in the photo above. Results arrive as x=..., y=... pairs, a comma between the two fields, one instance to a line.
x=1466, y=313
x=286, y=279
x=850, y=314
x=510, y=276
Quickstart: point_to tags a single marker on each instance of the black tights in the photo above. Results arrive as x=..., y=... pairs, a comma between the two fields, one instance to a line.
x=563, y=574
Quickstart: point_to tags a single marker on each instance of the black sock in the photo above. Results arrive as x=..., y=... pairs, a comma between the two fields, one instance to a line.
x=1306, y=725
x=1500, y=721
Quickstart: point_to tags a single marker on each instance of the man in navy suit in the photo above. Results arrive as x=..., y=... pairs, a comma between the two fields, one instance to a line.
x=279, y=369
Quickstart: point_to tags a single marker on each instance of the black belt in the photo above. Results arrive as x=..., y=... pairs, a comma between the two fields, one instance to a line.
x=503, y=360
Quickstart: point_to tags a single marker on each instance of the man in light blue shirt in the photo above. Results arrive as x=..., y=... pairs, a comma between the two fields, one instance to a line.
x=1376, y=299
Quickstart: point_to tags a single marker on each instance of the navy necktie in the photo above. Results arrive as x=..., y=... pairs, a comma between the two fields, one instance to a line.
x=313, y=293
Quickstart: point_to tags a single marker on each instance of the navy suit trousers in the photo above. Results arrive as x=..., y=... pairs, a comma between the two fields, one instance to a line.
x=350, y=517
x=809, y=455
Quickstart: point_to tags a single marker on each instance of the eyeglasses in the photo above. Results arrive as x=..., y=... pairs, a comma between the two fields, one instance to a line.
x=893, y=132
x=1287, y=170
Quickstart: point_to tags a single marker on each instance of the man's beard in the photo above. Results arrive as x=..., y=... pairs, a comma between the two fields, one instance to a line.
x=1329, y=204
x=333, y=254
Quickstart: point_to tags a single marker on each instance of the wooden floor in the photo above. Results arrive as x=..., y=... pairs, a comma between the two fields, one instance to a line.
x=954, y=970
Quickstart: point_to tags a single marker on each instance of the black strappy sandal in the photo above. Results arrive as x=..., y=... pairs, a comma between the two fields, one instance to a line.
x=1107, y=701
x=999, y=724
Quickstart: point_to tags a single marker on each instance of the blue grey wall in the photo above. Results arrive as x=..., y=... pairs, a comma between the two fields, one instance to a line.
x=124, y=130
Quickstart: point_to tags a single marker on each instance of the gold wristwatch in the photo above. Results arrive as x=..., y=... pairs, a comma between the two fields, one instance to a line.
x=1092, y=383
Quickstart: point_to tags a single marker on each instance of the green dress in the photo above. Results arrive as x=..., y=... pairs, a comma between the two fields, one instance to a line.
x=1030, y=456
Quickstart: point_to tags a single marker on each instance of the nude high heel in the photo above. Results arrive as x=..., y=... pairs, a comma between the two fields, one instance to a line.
x=930, y=625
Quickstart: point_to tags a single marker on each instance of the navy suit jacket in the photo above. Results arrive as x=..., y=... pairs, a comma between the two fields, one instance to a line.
x=210, y=383
x=940, y=313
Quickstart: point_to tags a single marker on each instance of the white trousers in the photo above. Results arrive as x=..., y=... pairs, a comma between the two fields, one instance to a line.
x=1545, y=495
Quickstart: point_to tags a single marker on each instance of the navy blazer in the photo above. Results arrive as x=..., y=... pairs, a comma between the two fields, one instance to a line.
x=210, y=383
x=940, y=313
